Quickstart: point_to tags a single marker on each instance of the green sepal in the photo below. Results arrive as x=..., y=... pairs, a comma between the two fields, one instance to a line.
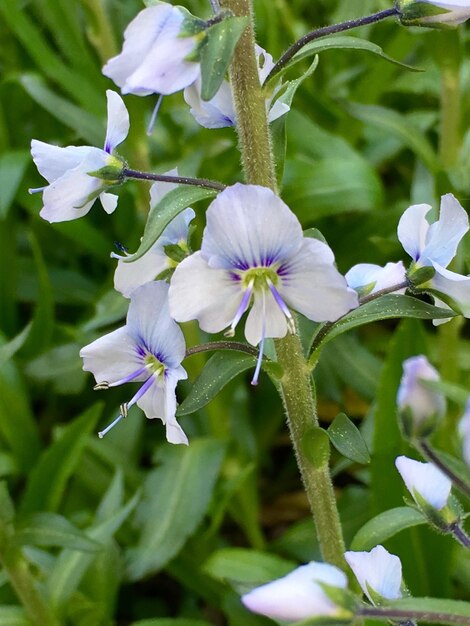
x=419, y=276
x=346, y=602
x=111, y=174
x=166, y=274
x=417, y=429
x=316, y=447
x=175, y=252
x=415, y=13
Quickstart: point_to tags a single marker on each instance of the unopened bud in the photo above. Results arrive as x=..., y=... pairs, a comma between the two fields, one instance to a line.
x=433, y=13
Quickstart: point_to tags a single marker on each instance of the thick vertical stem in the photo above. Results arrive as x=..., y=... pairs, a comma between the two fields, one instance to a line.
x=258, y=164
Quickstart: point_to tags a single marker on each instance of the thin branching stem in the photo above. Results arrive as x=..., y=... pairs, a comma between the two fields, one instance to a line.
x=205, y=183
x=328, y=30
x=408, y=615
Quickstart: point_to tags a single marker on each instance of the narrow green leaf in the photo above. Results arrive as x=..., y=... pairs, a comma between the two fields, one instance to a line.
x=48, y=480
x=386, y=525
x=344, y=42
x=219, y=370
x=347, y=439
x=176, y=497
x=398, y=126
x=14, y=616
x=217, y=51
x=428, y=610
x=7, y=508
x=387, y=307
x=13, y=165
x=166, y=210
x=11, y=348
x=177, y=621
x=50, y=529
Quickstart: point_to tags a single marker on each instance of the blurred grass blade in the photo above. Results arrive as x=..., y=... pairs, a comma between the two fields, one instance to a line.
x=14, y=616
x=13, y=166
x=50, y=529
x=386, y=525
x=11, y=348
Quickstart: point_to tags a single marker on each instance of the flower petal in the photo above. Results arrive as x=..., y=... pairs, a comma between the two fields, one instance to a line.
x=129, y=276
x=52, y=161
x=364, y=274
x=108, y=202
x=112, y=357
x=426, y=480
x=413, y=394
x=118, y=121
x=149, y=321
x=444, y=235
x=413, y=228
x=269, y=315
x=264, y=230
x=200, y=292
x=297, y=595
x=219, y=112
x=453, y=285
x=379, y=570
x=311, y=284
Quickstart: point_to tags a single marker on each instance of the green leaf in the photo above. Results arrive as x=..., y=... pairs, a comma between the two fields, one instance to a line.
x=398, y=126
x=429, y=610
x=13, y=616
x=216, y=53
x=246, y=569
x=164, y=212
x=13, y=165
x=343, y=42
x=11, y=348
x=177, y=621
x=48, y=480
x=347, y=439
x=385, y=307
x=219, y=370
x=386, y=525
x=50, y=529
x=176, y=497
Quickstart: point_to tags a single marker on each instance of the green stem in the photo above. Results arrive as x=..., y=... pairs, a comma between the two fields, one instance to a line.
x=101, y=36
x=177, y=180
x=258, y=164
x=385, y=613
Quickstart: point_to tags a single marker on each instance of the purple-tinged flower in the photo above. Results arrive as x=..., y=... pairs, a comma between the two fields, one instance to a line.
x=433, y=13
x=253, y=251
x=367, y=278
x=464, y=431
x=219, y=112
x=420, y=408
x=77, y=175
x=148, y=349
x=154, y=54
x=129, y=276
x=426, y=483
x=298, y=595
x=433, y=246
x=378, y=573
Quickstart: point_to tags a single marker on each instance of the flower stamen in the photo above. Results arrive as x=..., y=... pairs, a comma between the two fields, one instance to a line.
x=254, y=380
x=282, y=305
x=244, y=304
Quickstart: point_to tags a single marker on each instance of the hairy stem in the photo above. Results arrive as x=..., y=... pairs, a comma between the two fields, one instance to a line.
x=297, y=393
x=324, y=32
x=178, y=180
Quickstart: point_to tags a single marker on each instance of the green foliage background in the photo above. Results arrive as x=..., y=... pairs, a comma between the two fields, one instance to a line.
x=129, y=530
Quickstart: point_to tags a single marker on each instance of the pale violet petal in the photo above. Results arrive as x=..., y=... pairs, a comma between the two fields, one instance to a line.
x=118, y=121
x=265, y=63
x=274, y=320
x=362, y=274
x=52, y=161
x=365, y=274
x=112, y=357
x=177, y=229
x=298, y=595
x=379, y=570
x=459, y=12
x=464, y=432
x=443, y=305
x=248, y=225
x=199, y=292
x=311, y=284
x=139, y=37
x=68, y=198
x=160, y=189
x=129, y=276
x=413, y=229
x=413, y=394
x=277, y=110
x=453, y=285
x=426, y=480
x=108, y=202
x=219, y=112
x=444, y=235
x=149, y=321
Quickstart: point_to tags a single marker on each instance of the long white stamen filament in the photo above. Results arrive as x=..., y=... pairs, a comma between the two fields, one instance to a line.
x=244, y=304
x=254, y=381
x=154, y=115
x=102, y=433
x=282, y=305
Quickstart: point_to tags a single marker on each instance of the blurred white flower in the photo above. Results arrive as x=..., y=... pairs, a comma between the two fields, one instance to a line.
x=435, y=13
x=425, y=482
x=298, y=595
x=154, y=54
x=378, y=572
x=148, y=349
x=73, y=173
x=368, y=278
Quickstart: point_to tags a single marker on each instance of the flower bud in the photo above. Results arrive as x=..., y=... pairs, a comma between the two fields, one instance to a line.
x=378, y=572
x=433, y=13
x=419, y=408
x=308, y=591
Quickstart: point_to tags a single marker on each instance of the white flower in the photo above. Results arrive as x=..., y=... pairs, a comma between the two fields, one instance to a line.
x=434, y=12
x=148, y=349
x=129, y=276
x=435, y=245
x=423, y=407
x=464, y=431
x=378, y=572
x=219, y=112
x=369, y=278
x=297, y=595
x=154, y=54
x=424, y=481
x=72, y=189
x=253, y=249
